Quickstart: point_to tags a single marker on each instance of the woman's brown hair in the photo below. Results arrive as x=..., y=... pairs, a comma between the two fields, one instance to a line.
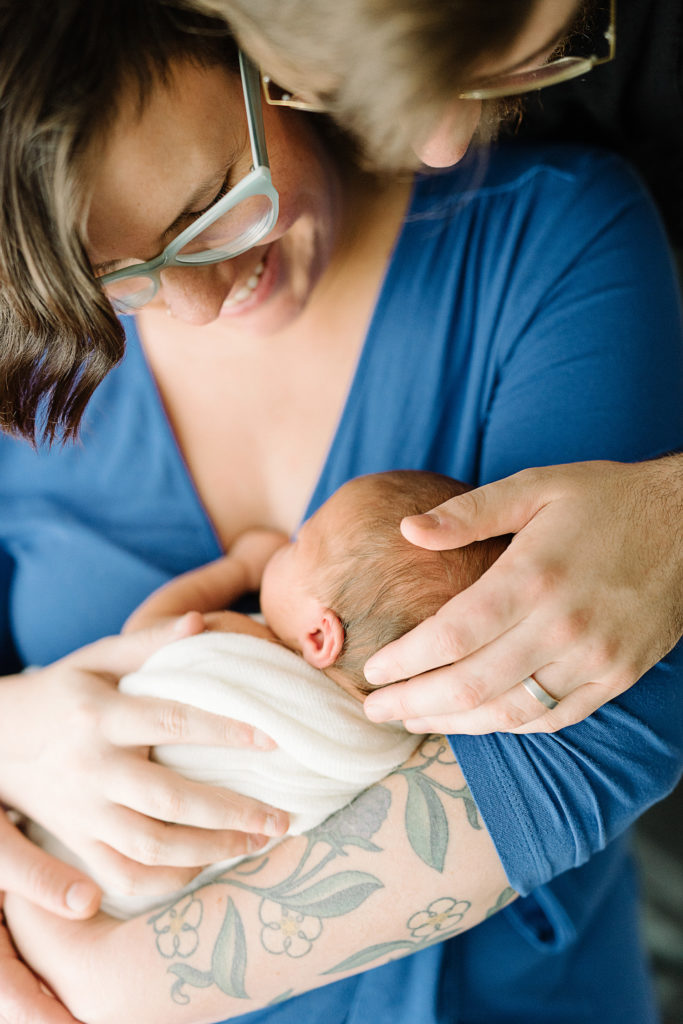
x=63, y=67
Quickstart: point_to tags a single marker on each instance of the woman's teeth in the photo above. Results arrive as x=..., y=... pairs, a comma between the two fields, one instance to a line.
x=243, y=293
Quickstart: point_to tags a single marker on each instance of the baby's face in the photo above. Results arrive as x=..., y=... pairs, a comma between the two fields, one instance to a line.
x=297, y=573
x=290, y=577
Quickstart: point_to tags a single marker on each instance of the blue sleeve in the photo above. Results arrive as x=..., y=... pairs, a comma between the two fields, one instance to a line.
x=566, y=392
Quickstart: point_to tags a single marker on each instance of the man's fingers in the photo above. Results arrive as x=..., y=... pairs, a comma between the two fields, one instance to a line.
x=471, y=619
x=504, y=506
x=42, y=879
x=573, y=708
x=149, y=722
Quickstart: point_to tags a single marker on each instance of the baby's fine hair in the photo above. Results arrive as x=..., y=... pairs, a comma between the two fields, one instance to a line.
x=378, y=583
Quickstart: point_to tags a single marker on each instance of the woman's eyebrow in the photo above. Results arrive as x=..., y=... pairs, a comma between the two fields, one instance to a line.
x=199, y=197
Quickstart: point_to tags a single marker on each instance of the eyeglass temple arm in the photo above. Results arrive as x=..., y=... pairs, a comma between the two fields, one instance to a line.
x=251, y=83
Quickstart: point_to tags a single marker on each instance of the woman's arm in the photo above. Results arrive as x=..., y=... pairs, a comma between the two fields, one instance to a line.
x=409, y=863
x=592, y=585
x=212, y=587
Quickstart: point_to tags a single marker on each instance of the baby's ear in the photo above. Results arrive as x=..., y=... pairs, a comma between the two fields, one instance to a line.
x=323, y=641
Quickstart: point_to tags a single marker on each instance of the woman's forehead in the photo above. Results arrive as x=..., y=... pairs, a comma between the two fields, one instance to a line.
x=155, y=159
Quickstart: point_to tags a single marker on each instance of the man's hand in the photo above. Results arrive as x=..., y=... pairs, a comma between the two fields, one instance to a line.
x=587, y=597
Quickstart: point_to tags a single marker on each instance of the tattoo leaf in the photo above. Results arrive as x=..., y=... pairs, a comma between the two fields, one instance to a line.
x=471, y=809
x=339, y=894
x=187, y=975
x=504, y=898
x=229, y=960
x=426, y=822
x=366, y=956
x=281, y=998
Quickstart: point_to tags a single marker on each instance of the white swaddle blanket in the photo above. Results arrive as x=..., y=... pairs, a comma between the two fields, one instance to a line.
x=327, y=751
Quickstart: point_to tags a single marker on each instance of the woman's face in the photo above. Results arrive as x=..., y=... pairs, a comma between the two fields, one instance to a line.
x=158, y=169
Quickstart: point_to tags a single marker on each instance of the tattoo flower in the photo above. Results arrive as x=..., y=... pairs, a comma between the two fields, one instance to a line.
x=176, y=929
x=358, y=820
x=286, y=930
x=440, y=916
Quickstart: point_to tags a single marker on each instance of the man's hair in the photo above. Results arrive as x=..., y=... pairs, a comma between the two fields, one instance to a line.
x=395, y=63
x=379, y=584
x=63, y=69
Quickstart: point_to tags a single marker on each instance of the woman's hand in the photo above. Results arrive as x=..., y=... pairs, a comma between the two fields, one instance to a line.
x=23, y=997
x=74, y=758
x=54, y=886
x=588, y=597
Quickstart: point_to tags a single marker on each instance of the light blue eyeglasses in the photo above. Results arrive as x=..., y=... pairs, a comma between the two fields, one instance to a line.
x=236, y=222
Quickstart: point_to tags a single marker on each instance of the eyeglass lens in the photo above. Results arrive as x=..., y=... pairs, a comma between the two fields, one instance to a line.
x=238, y=229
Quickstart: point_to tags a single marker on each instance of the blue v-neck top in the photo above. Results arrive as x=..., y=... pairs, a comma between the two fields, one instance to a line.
x=528, y=316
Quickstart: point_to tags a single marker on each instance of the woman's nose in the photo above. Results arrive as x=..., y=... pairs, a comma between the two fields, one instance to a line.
x=195, y=294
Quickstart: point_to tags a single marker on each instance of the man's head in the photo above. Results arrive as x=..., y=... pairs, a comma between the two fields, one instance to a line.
x=391, y=71
x=351, y=583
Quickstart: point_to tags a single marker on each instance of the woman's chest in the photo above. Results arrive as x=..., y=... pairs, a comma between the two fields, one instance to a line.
x=254, y=427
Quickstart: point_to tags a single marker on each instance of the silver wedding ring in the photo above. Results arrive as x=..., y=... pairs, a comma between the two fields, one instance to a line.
x=537, y=691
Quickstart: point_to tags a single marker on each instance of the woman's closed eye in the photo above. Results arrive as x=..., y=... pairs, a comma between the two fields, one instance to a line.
x=187, y=216
x=222, y=191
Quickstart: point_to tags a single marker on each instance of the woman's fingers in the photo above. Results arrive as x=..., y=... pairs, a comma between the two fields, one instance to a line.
x=154, y=844
x=42, y=879
x=23, y=997
x=159, y=793
x=149, y=722
x=116, y=656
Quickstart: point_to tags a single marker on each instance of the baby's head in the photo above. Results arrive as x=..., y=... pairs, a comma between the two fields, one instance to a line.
x=350, y=582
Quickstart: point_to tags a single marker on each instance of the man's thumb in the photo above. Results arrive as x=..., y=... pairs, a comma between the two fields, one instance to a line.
x=504, y=506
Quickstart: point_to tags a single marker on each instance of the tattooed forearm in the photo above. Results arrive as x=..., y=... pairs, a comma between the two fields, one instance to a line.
x=377, y=867
x=425, y=816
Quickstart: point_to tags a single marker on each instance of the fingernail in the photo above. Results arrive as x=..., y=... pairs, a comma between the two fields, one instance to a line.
x=275, y=825
x=428, y=520
x=376, y=711
x=374, y=673
x=256, y=842
x=263, y=742
x=79, y=897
